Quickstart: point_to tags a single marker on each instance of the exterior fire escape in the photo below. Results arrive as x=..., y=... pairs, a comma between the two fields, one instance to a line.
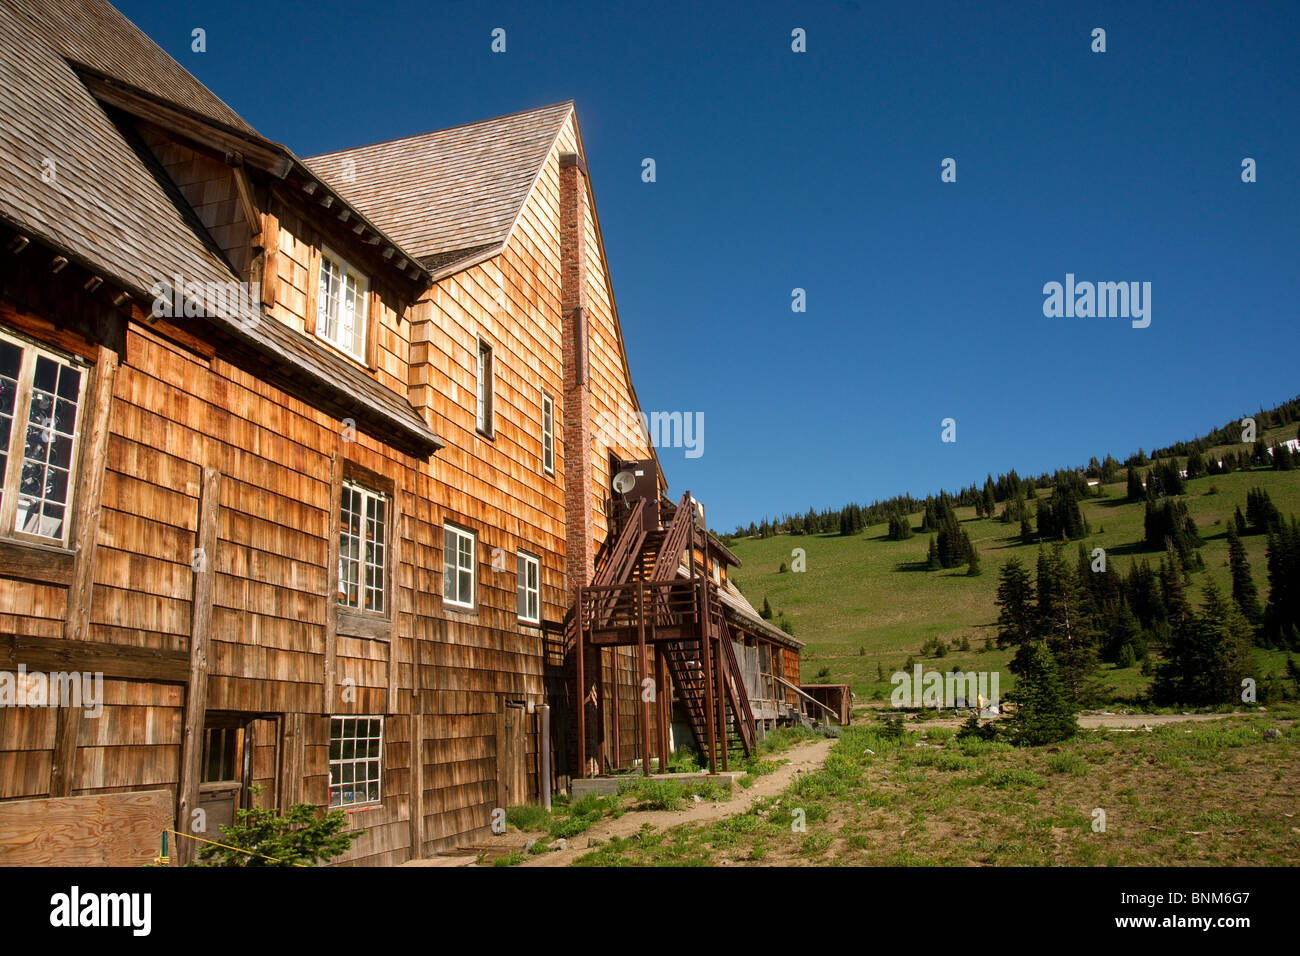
x=641, y=598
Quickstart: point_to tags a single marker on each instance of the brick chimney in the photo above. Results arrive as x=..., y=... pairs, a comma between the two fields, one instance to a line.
x=579, y=499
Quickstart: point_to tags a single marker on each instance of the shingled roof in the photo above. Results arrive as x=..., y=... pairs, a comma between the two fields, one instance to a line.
x=109, y=207
x=449, y=197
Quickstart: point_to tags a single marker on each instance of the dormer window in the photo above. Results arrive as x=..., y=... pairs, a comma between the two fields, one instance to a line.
x=341, y=305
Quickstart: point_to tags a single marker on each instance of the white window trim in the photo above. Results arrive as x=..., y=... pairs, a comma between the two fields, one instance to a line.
x=548, y=435
x=473, y=567
x=18, y=440
x=363, y=283
x=484, y=418
x=331, y=762
x=367, y=494
x=536, y=562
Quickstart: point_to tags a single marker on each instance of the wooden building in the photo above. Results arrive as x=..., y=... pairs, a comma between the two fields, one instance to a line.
x=300, y=457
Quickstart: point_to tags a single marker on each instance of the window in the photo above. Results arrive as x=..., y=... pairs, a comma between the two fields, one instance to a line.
x=356, y=745
x=548, y=434
x=341, y=305
x=363, y=551
x=484, y=421
x=40, y=401
x=457, y=567
x=528, y=590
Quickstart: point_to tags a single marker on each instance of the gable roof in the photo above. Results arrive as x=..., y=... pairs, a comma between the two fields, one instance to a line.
x=452, y=195
x=109, y=206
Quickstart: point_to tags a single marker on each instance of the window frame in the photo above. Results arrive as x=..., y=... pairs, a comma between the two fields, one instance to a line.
x=524, y=560
x=368, y=493
x=548, y=434
x=331, y=761
x=11, y=480
x=485, y=399
x=346, y=268
x=460, y=532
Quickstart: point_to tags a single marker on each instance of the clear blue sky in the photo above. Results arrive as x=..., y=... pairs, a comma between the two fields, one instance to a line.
x=821, y=170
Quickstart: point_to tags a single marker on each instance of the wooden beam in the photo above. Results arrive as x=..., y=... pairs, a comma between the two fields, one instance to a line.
x=394, y=572
x=196, y=694
x=118, y=661
x=328, y=678
x=415, y=802
x=63, y=768
x=90, y=486
x=292, y=755
x=246, y=202
x=29, y=561
x=262, y=155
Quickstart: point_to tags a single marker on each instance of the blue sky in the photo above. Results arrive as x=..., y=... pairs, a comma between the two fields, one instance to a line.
x=821, y=171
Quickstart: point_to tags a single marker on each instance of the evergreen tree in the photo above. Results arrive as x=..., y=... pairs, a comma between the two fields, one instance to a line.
x=1043, y=712
x=1208, y=657
x=932, y=559
x=1282, y=616
x=1016, y=616
x=766, y=613
x=1026, y=529
x=973, y=570
x=1261, y=514
x=1239, y=521
x=1243, y=584
x=1195, y=465
x=1135, y=490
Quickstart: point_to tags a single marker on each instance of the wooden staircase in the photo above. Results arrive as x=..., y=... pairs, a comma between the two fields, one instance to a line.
x=637, y=590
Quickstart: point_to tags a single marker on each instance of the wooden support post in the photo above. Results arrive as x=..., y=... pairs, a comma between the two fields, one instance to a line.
x=664, y=710
x=396, y=593
x=582, y=692
x=706, y=659
x=196, y=691
x=94, y=451
x=723, y=677
x=602, y=757
x=642, y=666
x=415, y=801
x=292, y=755
x=328, y=678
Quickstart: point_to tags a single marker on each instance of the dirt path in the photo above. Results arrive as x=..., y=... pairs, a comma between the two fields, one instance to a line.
x=803, y=758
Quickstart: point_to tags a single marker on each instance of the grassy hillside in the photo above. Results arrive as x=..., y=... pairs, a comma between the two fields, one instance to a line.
x=864, y=601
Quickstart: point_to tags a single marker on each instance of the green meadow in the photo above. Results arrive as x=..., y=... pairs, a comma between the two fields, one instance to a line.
x=864, y=604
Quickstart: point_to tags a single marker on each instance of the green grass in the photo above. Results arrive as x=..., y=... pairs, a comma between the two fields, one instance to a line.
x=1213, y=794
x=858, y=607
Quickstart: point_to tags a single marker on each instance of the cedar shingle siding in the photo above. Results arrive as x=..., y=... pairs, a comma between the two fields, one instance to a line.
x=202, y=572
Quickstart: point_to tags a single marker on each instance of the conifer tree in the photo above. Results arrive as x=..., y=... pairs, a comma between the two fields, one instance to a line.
x=1043, y=712
x=1243, y=585
x=932, y=559
x=1208, y=657
x=1016, y=617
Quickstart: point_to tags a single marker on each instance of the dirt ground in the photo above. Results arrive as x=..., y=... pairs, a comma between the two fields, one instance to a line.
x=803, y=758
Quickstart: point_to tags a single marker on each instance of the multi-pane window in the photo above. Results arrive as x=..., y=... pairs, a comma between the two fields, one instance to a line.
x=341, y=305
x=527, y=589
x=457, y=566
x=548, y=434
x=484, y=420
x=40, y=400
x=356, y=745
x=363, y=548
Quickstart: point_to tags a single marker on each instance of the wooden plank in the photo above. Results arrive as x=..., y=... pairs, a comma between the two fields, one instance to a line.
x=90, y=485
x=415, y=810
x=395, y=603
x=113, y=660
x=63, y=766
x=292, y=756
x=115, y=829
x=29, y=561
x=196, y=697
x=332, y=586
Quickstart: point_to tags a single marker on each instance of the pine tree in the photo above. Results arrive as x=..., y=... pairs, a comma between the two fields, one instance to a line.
x=1243, y=584
x=932, y=559
x=1135, y=491
x=1208, y=657
x=1043, y=713
x=973, y=570
x=1016, y=618
x=766, y=613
